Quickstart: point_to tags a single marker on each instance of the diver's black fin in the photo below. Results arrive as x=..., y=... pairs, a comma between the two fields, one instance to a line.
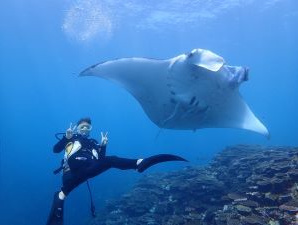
x=150, y=161
x=56, y=214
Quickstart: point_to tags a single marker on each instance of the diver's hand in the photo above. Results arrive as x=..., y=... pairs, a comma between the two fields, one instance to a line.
x=104, y=138
x=70, y=131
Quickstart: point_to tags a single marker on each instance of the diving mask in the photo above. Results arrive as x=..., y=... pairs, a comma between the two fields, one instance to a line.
x=84, y=129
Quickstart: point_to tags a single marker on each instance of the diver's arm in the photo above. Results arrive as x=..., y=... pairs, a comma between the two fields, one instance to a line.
x=103, y=143
x=60, y=145
x=66, y=137
x=102, y=150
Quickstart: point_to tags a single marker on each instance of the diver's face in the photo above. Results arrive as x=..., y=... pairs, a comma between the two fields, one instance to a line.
x=84, y=129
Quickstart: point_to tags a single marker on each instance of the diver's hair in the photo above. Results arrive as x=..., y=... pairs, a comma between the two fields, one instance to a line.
x=86, y=119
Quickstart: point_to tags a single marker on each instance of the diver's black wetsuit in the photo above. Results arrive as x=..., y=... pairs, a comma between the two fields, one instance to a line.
x=85, y=158
x=83, y=164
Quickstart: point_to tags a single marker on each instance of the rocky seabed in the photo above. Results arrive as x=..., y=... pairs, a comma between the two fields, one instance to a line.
x=243, y=185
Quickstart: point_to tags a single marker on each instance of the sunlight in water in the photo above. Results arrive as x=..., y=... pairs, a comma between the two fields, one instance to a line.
x=86, y=20
x=89, y=19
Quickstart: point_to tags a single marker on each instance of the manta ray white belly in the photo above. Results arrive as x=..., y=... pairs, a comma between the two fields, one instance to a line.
x=190, y=91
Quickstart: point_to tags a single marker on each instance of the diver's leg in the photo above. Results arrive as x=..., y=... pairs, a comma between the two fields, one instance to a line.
x=70, y=181
x=140, y=164
x=121, y=163
x=56, y=213
x=99, y=166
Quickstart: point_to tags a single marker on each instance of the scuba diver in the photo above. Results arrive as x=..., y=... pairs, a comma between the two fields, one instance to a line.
x=85, y=158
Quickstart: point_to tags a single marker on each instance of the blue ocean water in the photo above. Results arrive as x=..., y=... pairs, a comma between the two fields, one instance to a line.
x=45, y=44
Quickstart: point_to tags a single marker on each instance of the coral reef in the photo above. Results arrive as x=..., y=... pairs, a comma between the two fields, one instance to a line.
x=247, y=185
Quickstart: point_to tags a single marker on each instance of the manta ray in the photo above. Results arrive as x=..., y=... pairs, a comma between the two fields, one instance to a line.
x=187, y=92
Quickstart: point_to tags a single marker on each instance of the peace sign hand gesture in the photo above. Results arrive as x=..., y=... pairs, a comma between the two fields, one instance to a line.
x=104, y=138
x=70, y=131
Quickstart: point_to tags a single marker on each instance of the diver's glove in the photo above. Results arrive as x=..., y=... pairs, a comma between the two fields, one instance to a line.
x=70, y=131
x=104, y=138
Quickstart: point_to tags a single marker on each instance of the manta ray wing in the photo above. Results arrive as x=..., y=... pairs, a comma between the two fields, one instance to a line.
x=233, y=112
x=190, y=91
x=143, y=78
